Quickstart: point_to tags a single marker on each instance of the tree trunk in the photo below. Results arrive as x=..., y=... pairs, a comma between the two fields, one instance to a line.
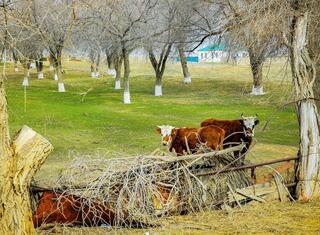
x=25, y=82
x=59, y=60
x=93, y=69
x=303, y=74
x=158, y=85
x=97, y=73
x=111, y=64
x=51, y=62
x=118, y=64
x=159, y=67
x=29, y=151
x=184, y=65
x=126, y=94
x=15, y=59
x=317, y=86
x=58, y=76
x=39, y=65
x=256, y=63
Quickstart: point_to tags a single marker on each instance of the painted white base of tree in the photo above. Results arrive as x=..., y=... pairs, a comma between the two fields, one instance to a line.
x=257, y=90
x=56, y=77
x=126, y=97
x=158, y=90
x=111, y=72
x=32, y=65
x=40, y=75
x=25, y=82
x=308, y=185
x=61, y=87
x=117, y=85
x=187, y=80
x=16, y=69
x=97, y=75
x=93, y=75
x=51, y=68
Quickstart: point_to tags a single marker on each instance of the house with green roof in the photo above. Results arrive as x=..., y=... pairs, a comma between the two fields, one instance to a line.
x=213, y=53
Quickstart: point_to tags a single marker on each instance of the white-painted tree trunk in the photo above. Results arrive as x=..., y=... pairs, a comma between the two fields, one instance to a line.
x=40, y=75
x=51, y=68
x=56, y=77
x=158, y=90
x=25, y=82
x=117, y=85
x=111, y=72
x=187, y=80
x=97, y=74
x=32, y=65
x=126, y=97
x=93, y=75
x=257, y=90
x=308, y=184
x=61, y=87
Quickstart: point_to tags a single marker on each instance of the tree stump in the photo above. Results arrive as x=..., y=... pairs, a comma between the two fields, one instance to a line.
x=25, y=155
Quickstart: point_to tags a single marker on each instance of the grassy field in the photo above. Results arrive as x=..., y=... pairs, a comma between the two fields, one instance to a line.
x=102, y=126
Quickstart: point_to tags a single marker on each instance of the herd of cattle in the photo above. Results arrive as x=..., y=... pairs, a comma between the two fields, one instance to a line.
x=214, y=134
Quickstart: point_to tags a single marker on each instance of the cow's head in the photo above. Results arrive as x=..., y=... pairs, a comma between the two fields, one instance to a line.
x=167, y=132
x=249, y=124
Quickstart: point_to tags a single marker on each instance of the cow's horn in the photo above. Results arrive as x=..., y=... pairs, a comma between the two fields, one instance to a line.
x=242, y=116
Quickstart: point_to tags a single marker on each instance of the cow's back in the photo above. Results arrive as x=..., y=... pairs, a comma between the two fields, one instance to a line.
x=213, y=136
x=229, y=126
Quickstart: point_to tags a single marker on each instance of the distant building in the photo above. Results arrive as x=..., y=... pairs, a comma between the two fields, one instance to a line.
x=209, y=53
x=213, y=53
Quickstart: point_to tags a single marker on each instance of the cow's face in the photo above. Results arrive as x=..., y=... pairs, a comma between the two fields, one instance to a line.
x=166, y=133
x=249, y=124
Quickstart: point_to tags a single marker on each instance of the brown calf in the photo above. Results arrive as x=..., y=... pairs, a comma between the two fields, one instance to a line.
x=68, y=209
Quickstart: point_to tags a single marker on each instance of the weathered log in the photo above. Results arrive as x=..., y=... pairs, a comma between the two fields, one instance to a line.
x=29, y=151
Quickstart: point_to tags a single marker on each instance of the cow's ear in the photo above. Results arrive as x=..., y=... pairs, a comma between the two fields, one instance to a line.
x=256, y=122
x=158, y=130
x=174, y=131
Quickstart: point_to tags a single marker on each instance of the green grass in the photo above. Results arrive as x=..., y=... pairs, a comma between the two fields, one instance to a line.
x=103, y=124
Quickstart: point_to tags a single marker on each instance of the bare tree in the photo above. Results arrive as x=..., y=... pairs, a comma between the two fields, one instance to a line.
x=125, y=23
x=54, y=20
x=304, y=76
x=159, y=46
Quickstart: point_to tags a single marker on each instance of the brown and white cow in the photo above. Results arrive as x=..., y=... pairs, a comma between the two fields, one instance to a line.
x=236, y=131
x=184, y=139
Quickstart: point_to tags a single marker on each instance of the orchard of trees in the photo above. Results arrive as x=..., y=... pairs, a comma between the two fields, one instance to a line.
x=32, y=29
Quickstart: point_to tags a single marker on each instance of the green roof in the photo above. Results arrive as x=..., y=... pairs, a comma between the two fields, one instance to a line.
x=216, y=47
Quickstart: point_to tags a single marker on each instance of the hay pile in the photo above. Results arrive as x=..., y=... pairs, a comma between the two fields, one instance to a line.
x=139, y=189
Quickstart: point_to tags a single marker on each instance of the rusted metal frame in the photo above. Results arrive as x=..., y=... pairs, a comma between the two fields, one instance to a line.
x=248, y=166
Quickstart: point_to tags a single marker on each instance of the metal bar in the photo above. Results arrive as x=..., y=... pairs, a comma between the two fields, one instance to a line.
x=248, y=166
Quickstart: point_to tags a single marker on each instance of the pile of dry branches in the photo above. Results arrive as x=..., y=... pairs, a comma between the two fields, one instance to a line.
x=137, y=190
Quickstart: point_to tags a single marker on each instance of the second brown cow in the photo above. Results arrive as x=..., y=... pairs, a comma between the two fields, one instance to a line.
x=184, y=139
